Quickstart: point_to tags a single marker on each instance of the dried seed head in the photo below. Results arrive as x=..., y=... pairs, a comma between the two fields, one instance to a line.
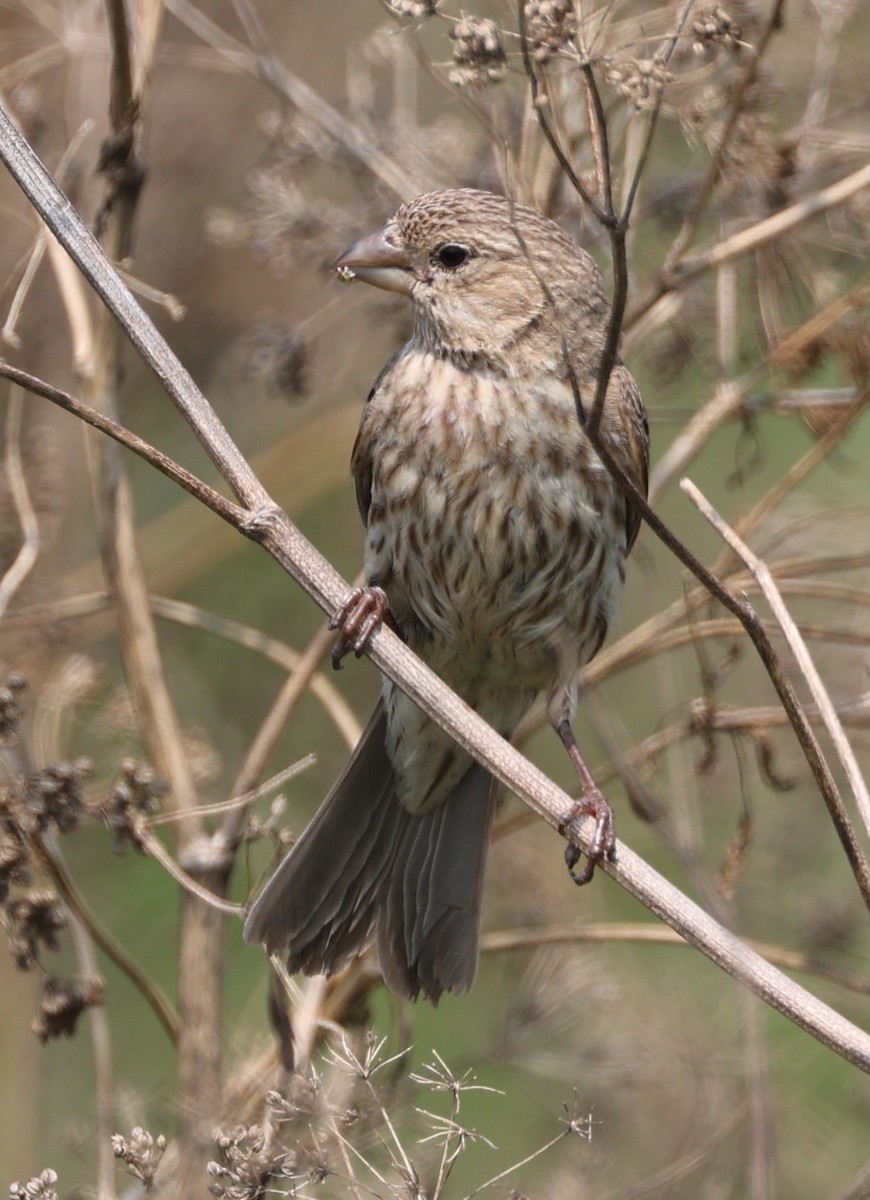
x=714, y=29
x=10, y=707
x=52, y=798
x=245, y=1163
x=550, y=26
x=415, y=9
x=141, y=1152
x=478, y=53
x=134, y=796
x=639, y=80
x=278, y=354
x=41, y=1187
x=33, y=920
x=61, y=1004
x=14, y=862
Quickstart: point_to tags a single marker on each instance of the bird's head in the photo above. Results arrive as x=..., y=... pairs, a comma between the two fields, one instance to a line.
x=486, y=277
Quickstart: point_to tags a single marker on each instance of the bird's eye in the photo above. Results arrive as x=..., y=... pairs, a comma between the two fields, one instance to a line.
x=451, y=255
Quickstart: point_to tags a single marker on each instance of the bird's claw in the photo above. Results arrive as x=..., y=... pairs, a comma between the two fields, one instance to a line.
x=603, y=843
x=361, y=614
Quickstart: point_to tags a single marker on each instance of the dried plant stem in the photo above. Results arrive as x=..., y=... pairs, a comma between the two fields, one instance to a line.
x=280, y=538
x=276, y=76
x=797, y=645
x=153, y=995
x=705, y=191
x=488, y=1183
x=283, y=706
x=103, y=1073
x=754, y=237
x=730, y=395
x=663, y=56
x=153, y=846
x=201, y=927
x=28, y=552
x=502, y=941
x=540, y=103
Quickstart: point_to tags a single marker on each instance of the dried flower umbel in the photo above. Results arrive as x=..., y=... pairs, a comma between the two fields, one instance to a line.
x=52, y=798
x=713, y=28
x=134, y=796
x=414, y=9
x=639, y=80
x=62, y=1003
x=10, y=707
x=278, y=354
x=478, y=54
x=550, y=26
x=246, y=1164
x=14, y=862
x=40, y=1187
x=33, y=920
x=141, y=1152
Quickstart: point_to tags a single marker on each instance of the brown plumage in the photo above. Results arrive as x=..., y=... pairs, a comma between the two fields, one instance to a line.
x=500, y=541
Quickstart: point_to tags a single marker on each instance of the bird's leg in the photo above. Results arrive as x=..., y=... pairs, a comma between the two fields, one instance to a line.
x=357, y=619
x=591, y=804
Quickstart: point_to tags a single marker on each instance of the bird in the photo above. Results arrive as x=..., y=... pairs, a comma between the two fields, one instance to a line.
x=495, y=545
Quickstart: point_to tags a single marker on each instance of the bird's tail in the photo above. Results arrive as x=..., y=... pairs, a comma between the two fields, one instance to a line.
x=366, y=863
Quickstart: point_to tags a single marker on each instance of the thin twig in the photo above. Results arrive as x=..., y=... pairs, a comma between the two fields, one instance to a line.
x=28, y=552
x=706, y=189
x=153, y=995
x=540, y=102
x=103, y=1073
x=276, y=76
x=172, y=470
x=683, y=271
x=153, y=846
x=270, y=730
x=503, y=941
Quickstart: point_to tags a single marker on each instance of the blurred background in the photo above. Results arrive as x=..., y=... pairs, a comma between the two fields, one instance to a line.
x=271, y=135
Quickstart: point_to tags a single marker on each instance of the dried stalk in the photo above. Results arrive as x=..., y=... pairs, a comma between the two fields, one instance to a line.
x=762, y=233
x=28, y=552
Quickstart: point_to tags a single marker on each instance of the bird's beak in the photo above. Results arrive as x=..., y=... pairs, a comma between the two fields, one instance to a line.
x=379, y=259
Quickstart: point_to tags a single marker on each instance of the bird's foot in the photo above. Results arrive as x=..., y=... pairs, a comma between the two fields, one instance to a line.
x=358, y=618
x=603, y=843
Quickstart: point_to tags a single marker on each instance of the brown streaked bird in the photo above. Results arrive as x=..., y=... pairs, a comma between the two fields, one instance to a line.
x=498, y=540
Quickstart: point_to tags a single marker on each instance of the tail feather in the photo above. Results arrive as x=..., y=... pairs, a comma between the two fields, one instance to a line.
x=334, y=871
x=429, y=919
x=365, y=862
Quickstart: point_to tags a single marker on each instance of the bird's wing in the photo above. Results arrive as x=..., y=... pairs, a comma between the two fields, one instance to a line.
x=631, y=443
